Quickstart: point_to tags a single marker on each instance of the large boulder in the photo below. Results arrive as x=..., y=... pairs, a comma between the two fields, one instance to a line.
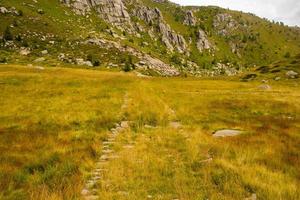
x=189, y=19
x=112, y=11
x=24, y=51
x=292, y=74
x=202, y=41
x=227, y=133
x=3, y=10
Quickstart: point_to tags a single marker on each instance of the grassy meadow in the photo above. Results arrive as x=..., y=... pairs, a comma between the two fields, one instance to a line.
x=53, y=122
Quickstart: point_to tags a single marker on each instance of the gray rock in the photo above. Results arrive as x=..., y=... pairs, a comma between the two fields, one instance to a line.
x=175, y=125
x=44, y=52
x=24, y=51
x=41, y=59
x=277, y=78
x=264, y=87
x=3, y=10
x=292, y=74
x=80, y=61
x=202, y=41
x=41, y=11
x=112, y=11
x=253, y=197
x=189, y=19
x=171, y=39
x=227, y=133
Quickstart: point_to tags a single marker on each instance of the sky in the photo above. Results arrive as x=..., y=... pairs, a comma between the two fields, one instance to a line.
x=287, y=11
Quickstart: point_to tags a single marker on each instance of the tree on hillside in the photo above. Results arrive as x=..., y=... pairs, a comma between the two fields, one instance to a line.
x=128, y=64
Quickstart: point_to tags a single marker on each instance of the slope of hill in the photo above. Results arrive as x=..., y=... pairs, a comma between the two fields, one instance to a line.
x=154, y=37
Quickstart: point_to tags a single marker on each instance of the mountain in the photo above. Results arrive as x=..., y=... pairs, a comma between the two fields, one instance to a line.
x=154, y=37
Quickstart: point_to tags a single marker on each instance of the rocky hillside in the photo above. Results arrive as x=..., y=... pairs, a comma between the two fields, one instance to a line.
x=154, y=37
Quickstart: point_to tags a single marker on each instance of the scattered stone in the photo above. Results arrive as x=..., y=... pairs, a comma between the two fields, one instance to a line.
x=107, y=151
x=104, y=157
x=41, y=59
x=92, y=197
x=24, y=51
x=206, y=160
x=44, y=52
x=80, y=61
x=85, y=191
x=227, y=133
x=292, y=74
x=264, y=87
x=3, y=10
x=277, y=78
x=125, y=124
x=138, y=74
x=175, y=125
x=41, y=11
x=253, y=197
x=128, y=146
x=39, y=67
x=149, y=126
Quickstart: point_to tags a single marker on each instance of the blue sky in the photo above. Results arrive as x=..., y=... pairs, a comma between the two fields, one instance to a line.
x=287, y=11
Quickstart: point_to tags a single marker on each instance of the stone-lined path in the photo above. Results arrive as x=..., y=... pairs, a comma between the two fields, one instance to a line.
x=90, y=190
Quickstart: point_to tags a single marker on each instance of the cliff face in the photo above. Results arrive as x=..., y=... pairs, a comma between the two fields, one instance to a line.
x=112, y=11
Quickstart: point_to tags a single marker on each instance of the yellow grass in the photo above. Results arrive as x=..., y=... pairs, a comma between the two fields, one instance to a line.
x=53, y=122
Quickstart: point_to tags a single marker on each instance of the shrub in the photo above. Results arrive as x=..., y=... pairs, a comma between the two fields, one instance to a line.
x=128, y=65
x=176, y=59
x=95, y=61
x=7, y=35
x=287, y=55
x=20, y=12
x=3, y=60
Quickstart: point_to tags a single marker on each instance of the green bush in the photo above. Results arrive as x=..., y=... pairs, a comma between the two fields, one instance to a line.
x=287, y=55
x=3, y=60
x=95, y=61
x=128, y=64
x=7, y=35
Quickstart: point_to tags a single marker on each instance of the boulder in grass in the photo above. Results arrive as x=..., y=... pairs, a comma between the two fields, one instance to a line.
x=292, y=74
x=41, y=59
x=3, y=10
x=227, y=133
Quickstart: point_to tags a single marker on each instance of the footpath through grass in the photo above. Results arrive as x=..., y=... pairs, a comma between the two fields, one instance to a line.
x=53, y=122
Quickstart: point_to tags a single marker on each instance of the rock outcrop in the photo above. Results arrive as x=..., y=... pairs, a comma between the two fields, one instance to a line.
x=112, y=11
x=202, y=41
x=146, y=61
x=79, y=6
x=224, y=24
x=189, y=19
x=169, y=37
x=3, y=10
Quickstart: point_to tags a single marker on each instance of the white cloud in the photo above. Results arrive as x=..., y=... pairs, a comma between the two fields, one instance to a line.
x=287, y=11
